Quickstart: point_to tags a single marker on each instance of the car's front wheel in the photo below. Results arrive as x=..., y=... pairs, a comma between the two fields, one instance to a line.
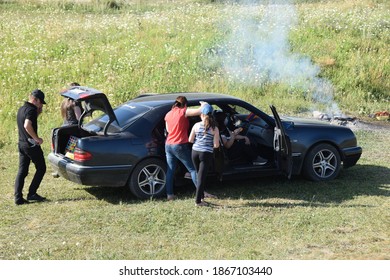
x=149, y=178
x=322, y=163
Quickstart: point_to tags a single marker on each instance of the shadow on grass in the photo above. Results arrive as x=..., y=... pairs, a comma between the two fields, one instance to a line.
x=114, y=195
x=361, y=180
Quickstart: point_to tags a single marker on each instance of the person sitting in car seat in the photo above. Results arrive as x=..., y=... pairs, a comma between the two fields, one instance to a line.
x=238, y=147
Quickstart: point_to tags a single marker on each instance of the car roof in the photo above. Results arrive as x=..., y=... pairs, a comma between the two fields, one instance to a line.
x=83, y=93
x=192, y=97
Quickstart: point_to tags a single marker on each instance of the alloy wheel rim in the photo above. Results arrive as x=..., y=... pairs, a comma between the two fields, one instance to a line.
x=325, y=164
x=151, y=179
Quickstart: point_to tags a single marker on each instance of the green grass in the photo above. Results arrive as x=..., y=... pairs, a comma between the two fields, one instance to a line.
x=165, y=46
x=175, y=46
x=271, y=218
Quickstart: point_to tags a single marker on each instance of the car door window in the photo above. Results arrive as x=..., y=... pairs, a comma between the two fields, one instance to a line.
x=158, y=132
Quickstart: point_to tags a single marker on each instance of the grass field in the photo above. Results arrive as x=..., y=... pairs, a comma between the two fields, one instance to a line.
x=327, y=55
x=271, y=218
x=331, y=55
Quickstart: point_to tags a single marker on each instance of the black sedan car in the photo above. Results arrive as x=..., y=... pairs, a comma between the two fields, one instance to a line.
x=125, y=145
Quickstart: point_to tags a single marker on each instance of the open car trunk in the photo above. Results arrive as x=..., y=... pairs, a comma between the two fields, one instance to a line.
x=65, y=138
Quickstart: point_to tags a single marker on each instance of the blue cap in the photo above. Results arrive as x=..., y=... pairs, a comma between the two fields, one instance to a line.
x=207, y=109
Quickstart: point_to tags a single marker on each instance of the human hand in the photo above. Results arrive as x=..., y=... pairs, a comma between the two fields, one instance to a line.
x=237, y=131
x=39, y=140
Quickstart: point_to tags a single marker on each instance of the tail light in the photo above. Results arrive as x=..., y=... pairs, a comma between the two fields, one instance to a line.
x=81, y=155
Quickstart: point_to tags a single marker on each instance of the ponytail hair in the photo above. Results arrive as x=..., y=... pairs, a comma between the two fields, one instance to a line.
x=209, y=122
x=180, y=102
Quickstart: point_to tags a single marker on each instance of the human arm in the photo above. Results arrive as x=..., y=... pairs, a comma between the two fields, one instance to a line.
x=191, y=138
x=195, y=112
x=233, y=136
x=228, y=141
x=240, y=137
x=166, y=127
x=216, y=138
x=30, y=130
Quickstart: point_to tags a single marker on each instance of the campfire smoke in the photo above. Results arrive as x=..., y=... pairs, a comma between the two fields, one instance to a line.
x=257, y=52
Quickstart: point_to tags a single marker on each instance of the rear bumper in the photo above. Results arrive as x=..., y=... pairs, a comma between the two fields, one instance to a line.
x=351, y=156
x=114, y=176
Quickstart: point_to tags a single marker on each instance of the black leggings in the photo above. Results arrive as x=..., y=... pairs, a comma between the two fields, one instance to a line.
x=202, y=161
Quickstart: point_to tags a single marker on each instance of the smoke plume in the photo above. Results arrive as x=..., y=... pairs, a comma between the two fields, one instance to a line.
x=257, y=51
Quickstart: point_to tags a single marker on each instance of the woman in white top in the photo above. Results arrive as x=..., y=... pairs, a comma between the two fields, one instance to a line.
x=205, y=136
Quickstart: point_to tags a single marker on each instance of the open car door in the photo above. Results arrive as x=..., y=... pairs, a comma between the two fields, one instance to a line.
x=93, y=100
x=282, y=146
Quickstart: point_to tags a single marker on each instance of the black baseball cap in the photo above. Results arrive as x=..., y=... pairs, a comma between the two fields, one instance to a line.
x=39, y=94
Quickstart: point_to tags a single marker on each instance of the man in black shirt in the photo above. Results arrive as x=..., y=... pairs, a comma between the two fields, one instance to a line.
x=29, y=147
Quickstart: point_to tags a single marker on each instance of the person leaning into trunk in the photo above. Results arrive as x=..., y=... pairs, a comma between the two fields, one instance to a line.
x=70, y=110
x=29, y=146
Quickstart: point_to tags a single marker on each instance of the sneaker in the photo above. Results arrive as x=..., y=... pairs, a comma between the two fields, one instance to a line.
x=21, y=201
x=260, y=161
x=36, y=197
x=55, y=175
x=187, y=175
x=171, y=197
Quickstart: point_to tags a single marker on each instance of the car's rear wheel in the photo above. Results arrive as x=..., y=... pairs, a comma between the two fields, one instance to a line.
x=149, y=178
x=322, y=163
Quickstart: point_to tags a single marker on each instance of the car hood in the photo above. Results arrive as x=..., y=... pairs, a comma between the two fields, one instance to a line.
x=304, y=121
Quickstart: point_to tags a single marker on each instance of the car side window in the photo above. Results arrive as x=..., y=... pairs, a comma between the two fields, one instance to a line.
x=241, y=111
x=158, y=132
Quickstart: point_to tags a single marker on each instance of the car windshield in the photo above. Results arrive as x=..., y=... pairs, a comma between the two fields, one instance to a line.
x=125, y=114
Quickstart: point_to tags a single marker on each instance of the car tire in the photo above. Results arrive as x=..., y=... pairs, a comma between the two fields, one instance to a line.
x=148, y=178
x=322, y=163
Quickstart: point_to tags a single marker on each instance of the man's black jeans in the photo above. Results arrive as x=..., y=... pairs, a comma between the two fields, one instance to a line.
x=26, y=155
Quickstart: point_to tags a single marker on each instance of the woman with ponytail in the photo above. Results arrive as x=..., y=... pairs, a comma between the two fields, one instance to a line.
x=205, y=136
